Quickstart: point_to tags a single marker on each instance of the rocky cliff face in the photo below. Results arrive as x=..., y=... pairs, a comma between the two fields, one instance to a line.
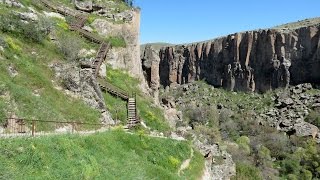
x=127, y=58
x=248, y=61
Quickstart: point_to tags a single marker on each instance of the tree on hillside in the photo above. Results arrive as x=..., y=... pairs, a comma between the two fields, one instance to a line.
x=129, y=2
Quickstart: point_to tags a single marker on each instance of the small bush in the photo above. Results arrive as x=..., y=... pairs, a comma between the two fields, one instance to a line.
x=69, y=45
x=174, y=161
x=244, y=143
x=13, y=45
x=247, y=172
x=314, y=118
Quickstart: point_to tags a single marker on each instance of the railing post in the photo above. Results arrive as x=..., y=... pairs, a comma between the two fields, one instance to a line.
x=135, y=104
x=72, y=130
x=33, y=127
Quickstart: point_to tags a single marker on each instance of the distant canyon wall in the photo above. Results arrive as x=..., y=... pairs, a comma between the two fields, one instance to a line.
x=248, y=61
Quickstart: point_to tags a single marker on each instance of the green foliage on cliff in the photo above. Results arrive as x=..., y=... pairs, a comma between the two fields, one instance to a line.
x=109, y=155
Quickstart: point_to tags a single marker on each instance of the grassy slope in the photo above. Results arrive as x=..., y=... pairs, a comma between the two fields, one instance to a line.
x=34, y=74
x=110, y=155
x=31, y=60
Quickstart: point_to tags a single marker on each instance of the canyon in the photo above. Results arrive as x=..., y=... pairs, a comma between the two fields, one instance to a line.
x=251, y=61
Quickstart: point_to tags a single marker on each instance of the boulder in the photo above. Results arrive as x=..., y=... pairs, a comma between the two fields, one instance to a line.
x=306, y=129
x=87, y=28
x=12, y=71
x=106, y=118
x=12, y=3
x=216, y=170
x=28, y=16
x=86, y=6
x=54, y=15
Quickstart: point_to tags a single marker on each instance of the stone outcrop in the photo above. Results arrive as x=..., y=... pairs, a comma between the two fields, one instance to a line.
x=249, y=61
x=128, y=57
x=150, y=67
x=216, y=169
x=86, y=6
x=12, y=3
x=81, y=83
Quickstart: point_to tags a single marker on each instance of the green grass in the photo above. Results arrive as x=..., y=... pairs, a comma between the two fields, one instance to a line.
x=196, y=167
x=152, y=115
x=110, y=155
x=117, y=41
x=117, y=107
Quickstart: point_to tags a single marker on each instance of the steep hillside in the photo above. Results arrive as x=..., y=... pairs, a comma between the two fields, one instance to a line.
x=53, y=70
x=47, y=71
x=28, y=86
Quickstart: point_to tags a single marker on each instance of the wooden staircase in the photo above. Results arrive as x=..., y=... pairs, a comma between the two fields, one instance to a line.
x=100, y=57
x=132, y=113
x=81, y=20
x=92, y=37
x=113, y=90
x=133, y=119
x=62, y=10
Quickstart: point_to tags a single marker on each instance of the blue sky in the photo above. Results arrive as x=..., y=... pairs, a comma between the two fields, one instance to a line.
x=183, y=21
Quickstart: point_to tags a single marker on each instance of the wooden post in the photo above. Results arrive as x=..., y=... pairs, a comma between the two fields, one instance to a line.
x=72, y=131
x=33, y=127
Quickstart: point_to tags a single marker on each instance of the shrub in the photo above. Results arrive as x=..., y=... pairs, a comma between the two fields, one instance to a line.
x=13, y=45
x=247, y=172
x=128, y=2
x=69, y=45
x=279, y=144
x=212, y=134
x=314, y=118
x=244, y=143
x=203, y=115
x=174, y=161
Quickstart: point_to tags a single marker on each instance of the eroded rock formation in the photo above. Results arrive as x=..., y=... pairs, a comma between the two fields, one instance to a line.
x=81, y=83
x=248, y=61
